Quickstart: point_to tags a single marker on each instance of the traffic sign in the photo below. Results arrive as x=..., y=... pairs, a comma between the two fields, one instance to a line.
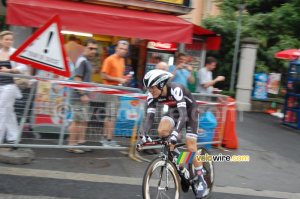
x=44, y=49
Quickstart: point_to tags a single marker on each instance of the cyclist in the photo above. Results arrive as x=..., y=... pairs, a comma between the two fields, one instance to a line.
x=183, y=109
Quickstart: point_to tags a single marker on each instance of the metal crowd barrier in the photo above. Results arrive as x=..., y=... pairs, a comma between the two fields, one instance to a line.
x=44, y=115
x=212, y=117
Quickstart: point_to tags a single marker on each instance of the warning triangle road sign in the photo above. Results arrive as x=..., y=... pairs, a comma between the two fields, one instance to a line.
x=44, y=49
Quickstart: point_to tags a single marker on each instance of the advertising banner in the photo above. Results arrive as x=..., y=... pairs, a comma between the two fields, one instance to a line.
x=260, y=88
x=274, y=83
x=129, y=112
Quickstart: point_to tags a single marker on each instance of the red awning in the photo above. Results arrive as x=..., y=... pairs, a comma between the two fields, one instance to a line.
x=211, y=43
x=212, y=40
x=198, y=30
x=105, y=20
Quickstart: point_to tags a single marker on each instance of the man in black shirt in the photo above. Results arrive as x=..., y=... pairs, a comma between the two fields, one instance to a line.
x=80, y=99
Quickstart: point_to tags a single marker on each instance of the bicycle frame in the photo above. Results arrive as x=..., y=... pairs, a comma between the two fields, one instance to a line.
x=165, y=155
x=166, y=162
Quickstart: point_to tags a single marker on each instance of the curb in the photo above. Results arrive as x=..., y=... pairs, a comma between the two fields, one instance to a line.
x=18, y=156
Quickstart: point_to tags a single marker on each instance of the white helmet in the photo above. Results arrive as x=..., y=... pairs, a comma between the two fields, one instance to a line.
x=157, y=78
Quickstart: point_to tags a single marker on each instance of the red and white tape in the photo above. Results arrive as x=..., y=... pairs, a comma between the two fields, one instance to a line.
x=122, y=93
x=97, y=89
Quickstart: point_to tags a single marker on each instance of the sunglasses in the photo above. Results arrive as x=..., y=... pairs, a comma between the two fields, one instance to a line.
x=91, y=48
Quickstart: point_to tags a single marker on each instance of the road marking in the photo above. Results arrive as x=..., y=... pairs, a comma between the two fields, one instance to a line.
x=131, y=181
x=105, y=158
x=70, y=176
x=252, y=192
x=9, y=196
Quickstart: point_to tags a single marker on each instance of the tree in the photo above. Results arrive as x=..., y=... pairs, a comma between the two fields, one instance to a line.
x=274, y=23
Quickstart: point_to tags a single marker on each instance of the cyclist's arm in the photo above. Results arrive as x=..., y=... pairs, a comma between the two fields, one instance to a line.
x=150, y=115
x=148, y=122
x=181, y=105
x=182, y=117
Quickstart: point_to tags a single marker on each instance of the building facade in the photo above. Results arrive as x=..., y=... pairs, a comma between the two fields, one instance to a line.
x=201, y=9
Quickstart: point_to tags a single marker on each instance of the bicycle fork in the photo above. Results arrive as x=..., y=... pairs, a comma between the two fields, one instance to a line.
x=165, y=157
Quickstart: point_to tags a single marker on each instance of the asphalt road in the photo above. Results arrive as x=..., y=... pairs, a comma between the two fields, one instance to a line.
x=273, y=170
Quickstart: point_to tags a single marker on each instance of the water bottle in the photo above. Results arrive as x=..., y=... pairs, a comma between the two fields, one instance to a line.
x=175, y=156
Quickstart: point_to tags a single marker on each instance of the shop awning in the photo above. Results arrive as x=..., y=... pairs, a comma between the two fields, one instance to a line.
x=105, y=20
x=212, y=40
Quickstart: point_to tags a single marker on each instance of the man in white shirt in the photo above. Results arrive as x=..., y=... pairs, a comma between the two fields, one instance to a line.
x=205, y=82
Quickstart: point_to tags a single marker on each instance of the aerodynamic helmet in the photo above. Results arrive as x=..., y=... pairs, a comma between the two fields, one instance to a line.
x=157, y=78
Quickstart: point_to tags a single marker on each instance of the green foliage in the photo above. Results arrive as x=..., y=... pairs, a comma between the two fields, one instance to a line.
x=263, y=6
x=228, y=93
x=253, y=6
x=275, y=23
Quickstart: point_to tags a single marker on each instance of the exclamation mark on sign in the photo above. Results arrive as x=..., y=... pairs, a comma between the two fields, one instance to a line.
x=50, y=36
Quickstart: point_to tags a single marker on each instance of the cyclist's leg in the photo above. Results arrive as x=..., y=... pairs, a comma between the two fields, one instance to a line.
x=191, y=133
x=168, y=122
x=191, y=143
x=165, y=126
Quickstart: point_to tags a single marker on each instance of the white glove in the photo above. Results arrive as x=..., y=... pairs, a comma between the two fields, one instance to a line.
x=143, y=140
x=173, y=138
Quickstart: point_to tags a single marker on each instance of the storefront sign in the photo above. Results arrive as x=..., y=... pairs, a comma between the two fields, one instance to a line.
x=274, y=83
x=172, y=1
x=157, y=45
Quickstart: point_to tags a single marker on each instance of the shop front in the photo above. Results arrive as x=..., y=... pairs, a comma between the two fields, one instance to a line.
x=109, y=24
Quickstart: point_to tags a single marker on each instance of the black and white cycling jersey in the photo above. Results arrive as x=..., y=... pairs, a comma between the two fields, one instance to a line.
x=183, y=109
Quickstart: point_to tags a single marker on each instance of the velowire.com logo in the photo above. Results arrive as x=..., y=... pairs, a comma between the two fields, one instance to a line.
x=187, y=158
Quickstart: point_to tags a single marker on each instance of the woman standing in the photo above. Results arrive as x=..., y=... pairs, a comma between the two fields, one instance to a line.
x=8, y=90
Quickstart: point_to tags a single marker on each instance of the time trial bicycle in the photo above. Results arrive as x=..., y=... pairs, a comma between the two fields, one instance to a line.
x=164, y=177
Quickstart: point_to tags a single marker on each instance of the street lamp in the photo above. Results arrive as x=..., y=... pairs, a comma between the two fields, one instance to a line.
x=236, y=49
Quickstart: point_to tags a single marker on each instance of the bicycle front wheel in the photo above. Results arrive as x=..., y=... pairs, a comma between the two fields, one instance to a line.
x=159, y=182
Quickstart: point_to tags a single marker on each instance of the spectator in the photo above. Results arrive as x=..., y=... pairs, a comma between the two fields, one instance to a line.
x=192, y=87
x=205, y=82
x=112, y=72
x=8, y=90
x=78, y=41
x=182, y=73
x=162, y=66
x=80, y=99
x=73, y=49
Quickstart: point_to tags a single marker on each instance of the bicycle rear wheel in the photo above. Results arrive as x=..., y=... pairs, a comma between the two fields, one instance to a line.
x=208, y=173
x=158, y=184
